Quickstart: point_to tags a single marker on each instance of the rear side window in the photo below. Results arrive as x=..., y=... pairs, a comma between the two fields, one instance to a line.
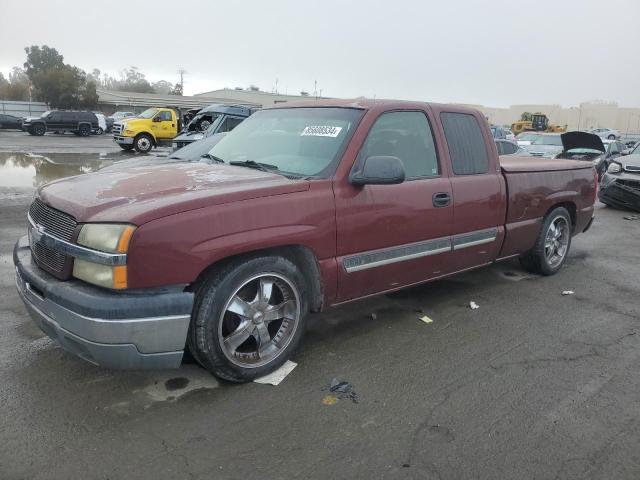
x=467, y=149
x=406, y=135
x=165, y=116
x=229, y=124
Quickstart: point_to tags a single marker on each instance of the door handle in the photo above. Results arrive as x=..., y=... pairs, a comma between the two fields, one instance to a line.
x=441, y=199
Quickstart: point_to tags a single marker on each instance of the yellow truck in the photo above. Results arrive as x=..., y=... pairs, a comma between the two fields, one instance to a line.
x=152, y=128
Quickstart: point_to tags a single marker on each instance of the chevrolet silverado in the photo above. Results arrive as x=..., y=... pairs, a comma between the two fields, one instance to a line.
x=301, y=207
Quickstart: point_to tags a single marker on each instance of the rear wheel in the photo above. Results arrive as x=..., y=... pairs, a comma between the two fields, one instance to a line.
x=552, y=246
x=84, y=130
x=611, y=137
x=248, y=318
x=99, y=131
x=143, y=143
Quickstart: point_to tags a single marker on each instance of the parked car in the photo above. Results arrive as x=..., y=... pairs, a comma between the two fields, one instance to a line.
x=608, y=133
x=9, y=122
x=507, y=147
x=498, y=132
x=77, y=122
x=102, y=124
x=152, y=128
x=117, y=116
x=510, y=135
x=211, y=120
x=305, y=206
x=620, y=185
x=525, y=138
x=589, y=147
x=545, y=145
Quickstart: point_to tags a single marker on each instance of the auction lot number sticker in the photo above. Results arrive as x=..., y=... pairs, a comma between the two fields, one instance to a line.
x=321, y=131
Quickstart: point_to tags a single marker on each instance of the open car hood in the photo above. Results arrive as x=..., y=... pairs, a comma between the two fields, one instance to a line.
x=571, y=140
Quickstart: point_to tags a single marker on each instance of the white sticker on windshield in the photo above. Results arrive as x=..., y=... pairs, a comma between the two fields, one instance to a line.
x=321, y=131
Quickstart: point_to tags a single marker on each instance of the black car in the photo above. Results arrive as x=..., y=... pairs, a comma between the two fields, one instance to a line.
x=620, y=184
x=9, y=122
x=80, y=123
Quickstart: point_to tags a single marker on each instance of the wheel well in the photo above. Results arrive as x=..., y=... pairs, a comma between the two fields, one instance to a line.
x=301, y=256
x=571, y=208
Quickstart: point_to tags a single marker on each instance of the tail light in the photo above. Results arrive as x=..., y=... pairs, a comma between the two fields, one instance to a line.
x=595, y=179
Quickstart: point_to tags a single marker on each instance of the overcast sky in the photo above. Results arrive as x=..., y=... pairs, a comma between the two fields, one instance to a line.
x=494, y=53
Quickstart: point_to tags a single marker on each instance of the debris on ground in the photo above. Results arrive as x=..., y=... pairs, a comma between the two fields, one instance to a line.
x=426, y=319
x=568, y=292
x=274, y=378
x=339, y=390
x=374, y=316
x=632, y=217
x=473, y=305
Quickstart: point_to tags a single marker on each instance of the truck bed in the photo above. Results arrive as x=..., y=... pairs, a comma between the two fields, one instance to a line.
x=515, y=164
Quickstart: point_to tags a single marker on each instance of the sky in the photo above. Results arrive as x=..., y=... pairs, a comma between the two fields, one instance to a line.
x=493, y=53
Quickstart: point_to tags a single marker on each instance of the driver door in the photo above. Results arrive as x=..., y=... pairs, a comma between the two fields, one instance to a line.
x=164, y=125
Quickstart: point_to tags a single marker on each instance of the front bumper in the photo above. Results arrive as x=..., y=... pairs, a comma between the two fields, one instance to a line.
x=620, y=195
x=124, y=330
x=123, y=140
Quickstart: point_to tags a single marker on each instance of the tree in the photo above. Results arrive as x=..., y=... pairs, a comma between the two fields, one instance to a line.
x=177, y=90
x=16, y=88
x=526, y=116
x=42, y=58
x=89, y=97
x=163, y=87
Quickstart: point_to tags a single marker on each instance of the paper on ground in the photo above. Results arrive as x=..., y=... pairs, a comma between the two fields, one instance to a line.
x=567, y=292
x=426, y=319
x=473, y=305
x=274, y=378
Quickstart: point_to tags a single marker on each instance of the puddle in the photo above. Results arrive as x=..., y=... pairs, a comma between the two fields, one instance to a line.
x=20, y=170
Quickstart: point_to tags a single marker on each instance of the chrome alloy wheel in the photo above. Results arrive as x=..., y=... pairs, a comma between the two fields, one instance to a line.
x=556, y=242
x=259, y=320
x=144, y=144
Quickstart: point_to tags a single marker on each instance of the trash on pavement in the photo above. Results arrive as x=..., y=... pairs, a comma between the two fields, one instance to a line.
x=568, y=292
x=274, y=378
x=473, y=305
x=339, y=390
x=632, y=217
x=426, y=319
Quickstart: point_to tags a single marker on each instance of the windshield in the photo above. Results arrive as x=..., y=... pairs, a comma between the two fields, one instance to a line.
x=636, y=149
x=45, y=114
x=148, y=113
x=298, y=141
x=528, y=137
x=554, y=140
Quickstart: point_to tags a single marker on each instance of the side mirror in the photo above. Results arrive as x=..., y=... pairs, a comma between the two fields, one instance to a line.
x=378, y=170
x=626, y=151
x=157, y=119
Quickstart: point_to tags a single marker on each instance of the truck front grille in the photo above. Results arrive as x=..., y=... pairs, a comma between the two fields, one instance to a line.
x=116, y=129
x=58, y=224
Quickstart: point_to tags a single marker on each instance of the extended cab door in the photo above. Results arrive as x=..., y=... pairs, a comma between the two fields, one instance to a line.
x=164, y=124
x=389, y=236
x=479, y=201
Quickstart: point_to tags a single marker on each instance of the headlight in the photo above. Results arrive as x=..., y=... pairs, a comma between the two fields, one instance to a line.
x=614, y=168
x=111, y=238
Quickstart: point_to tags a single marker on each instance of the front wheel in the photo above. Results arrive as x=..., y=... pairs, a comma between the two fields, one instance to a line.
x=552, y=246
x=611, y=137
x=143, y=143
x=38, y=129
x=84, y=130
x=248, y=318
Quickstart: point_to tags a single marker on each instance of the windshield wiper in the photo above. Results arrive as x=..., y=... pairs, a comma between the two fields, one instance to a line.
x=265, y=167
x=208, y=156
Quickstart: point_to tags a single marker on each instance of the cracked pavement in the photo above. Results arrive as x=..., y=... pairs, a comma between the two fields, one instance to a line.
x=532, y=385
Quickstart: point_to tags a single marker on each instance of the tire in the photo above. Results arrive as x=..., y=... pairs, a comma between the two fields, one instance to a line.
x=611, y=137
x=99, y=131
x=552, y=245
x=38, y=129
x=143, y=143
x=230, y=317
x=84, y=130
x=128, y=148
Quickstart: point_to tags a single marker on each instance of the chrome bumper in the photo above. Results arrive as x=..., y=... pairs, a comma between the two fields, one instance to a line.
x=107, y=336
x=123, y=140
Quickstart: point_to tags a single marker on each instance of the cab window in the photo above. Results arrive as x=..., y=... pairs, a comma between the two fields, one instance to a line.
x=406, y=135
x=164, y=116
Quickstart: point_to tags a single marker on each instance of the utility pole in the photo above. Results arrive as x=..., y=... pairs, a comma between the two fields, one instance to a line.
x=182, y=72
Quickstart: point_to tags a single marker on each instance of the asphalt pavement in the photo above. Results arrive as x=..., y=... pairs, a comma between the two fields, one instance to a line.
x=531, y=385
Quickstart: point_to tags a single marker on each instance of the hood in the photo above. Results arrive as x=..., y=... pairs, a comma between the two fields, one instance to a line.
x=571, y=140
x=630, y=163
x=139, y=194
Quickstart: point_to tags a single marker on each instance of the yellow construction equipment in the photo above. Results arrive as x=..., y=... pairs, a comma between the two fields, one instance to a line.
x=539, y=123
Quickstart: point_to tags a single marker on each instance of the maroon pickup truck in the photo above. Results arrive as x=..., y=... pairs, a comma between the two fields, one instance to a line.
x=301, y=207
